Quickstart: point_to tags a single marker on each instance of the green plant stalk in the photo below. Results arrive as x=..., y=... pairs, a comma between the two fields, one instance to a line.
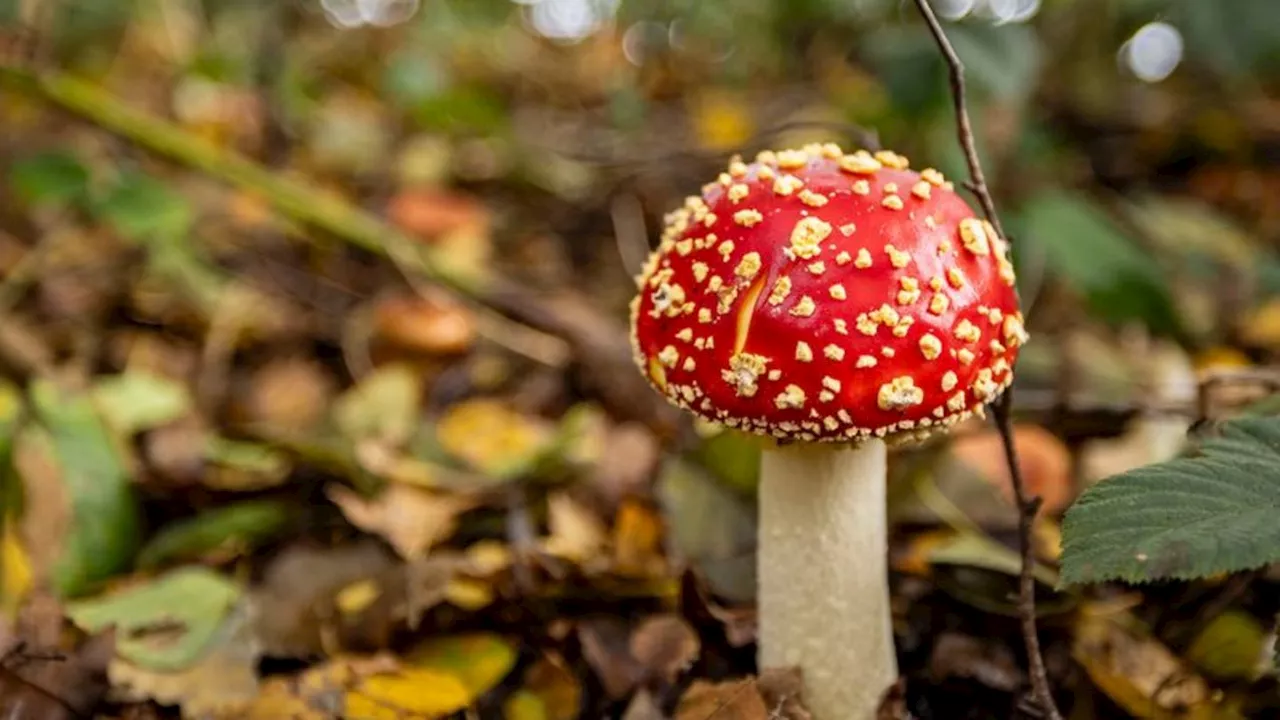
x=293, y=198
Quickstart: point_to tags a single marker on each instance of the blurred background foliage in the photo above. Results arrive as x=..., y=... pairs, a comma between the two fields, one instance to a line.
x=229, y=378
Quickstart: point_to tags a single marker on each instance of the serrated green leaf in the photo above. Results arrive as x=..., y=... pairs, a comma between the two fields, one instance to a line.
x=49, y=178
x=166, y=624
x=105, y=529
x=241, y=525
x=1191, y=517
x=142, y=208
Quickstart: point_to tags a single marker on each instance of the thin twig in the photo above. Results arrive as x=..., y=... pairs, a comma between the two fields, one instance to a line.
x=1027, y=506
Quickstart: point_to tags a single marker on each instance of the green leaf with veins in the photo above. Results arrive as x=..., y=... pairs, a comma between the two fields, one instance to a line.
x=1212, y=511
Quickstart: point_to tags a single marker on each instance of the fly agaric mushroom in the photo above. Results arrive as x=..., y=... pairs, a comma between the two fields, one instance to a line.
x=836, y=303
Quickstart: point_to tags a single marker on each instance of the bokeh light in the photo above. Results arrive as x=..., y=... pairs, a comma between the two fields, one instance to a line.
x=1153, y=53
x=569, y=20
x=379, y=13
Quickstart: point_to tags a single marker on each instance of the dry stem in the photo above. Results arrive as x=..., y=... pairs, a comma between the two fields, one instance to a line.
x=1027, y=506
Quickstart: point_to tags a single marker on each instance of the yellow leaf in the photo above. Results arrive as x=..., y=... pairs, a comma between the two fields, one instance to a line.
x=637, y=540
x=414, y=691
x=468, y=594
x=524, y=705
x=357, y=596
x=479, y=661
x=492, y=438
x=1141, y=675
x=15, y=571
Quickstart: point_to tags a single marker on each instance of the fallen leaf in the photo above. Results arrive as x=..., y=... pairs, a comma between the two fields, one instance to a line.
x=410, y=691
x=411, y=519
x=222, y=680
x=16, y=576
x=296, y=599
x=576, y=533
x=234, y=528
x=69, y=689
x=492, y=438
x=242, y=466
x=317, y=693
x=637, y=540
x=139, y=400
x=102, y=530
x=440, y=677
x=1139, y=673
x=164, y=624
x=1233, y=645
x=643, y=706
x=479, y=661
x=606, y=648
x=549, y=691
x=783, y=690
x=734, y=700
x=665, y=646
x=383, y=407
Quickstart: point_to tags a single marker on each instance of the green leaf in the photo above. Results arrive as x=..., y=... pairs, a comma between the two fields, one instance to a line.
x=240, y=526
x=104, y=532
x=136, y=401
x=1191, y=517
x=383, y=406
x=164, y=625
x=144, y=209
x=50, y=178
x=1119, y=280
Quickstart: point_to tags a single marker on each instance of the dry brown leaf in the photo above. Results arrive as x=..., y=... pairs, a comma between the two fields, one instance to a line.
x=643, y=706
x=605, y=646
x=64, y=690
x=296, y=599
x=783, y=690
x=735, y=700
x=577, y=534
x=665, y=646
x=411, y=519
x=1139, y=673
x=550, y=691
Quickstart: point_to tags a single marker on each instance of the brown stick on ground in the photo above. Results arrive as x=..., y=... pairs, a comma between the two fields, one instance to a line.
x=1027, y=506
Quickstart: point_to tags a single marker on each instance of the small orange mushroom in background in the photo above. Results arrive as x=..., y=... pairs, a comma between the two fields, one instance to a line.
x=835, y=302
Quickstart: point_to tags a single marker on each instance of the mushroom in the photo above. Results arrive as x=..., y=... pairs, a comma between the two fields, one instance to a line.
x=834, y=303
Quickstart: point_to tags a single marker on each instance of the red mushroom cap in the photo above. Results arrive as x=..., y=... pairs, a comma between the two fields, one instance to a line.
x=822, y=296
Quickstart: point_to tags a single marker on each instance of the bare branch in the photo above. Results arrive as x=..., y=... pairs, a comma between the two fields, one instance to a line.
x=1027, y=506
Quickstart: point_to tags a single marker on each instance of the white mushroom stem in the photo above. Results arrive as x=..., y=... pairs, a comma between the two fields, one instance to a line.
x=824, y=587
